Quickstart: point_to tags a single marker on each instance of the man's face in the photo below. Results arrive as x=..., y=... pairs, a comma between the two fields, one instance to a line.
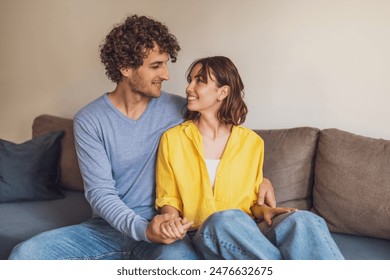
x=147, y=79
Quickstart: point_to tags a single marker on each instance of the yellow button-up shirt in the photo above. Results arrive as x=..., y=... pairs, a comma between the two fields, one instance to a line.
x=182, y=178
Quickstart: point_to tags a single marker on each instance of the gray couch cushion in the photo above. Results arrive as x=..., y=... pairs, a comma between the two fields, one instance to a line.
x=22, y=220
x=362, y=248
x=289, y=164
x=352, y=189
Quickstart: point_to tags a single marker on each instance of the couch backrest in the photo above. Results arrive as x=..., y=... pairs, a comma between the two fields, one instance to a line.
x=352, y=183
x=343, y=177
x=289, y=163
x=70, y=176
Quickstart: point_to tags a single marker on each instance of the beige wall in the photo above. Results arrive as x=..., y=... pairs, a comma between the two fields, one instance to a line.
x=304, y=62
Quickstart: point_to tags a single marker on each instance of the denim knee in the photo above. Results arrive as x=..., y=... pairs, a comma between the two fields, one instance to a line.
x=224, y=221
x=15, y=253
x=26, y=250
x=306, y=217
x=179, y=250
x=178, y=253
x=226, y=217
x=35, y=248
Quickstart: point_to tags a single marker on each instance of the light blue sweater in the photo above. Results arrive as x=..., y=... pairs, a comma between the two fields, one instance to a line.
x=117, y=158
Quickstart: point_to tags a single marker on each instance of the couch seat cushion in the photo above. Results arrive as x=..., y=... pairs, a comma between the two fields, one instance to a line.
x=22, y=220
x=362, y=248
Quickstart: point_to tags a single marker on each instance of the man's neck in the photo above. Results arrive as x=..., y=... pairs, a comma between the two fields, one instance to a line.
x=130, y=104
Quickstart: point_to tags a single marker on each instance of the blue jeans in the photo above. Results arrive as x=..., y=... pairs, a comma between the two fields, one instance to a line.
x=232, y=234
x=97, y=240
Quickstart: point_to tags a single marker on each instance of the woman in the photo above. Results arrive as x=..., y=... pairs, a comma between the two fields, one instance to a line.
x=208, y=172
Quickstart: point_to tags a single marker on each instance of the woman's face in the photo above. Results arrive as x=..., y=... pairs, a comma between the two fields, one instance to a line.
x=201, y=96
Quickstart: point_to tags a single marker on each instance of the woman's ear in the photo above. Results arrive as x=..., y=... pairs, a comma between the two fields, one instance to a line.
x=223, y=92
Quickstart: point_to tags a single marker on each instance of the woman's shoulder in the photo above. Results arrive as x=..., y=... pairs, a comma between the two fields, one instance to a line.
x=247, y=132
x=178, y=129
x=248, y=136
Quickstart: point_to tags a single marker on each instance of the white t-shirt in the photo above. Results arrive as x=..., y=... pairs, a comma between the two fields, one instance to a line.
x=212, y=166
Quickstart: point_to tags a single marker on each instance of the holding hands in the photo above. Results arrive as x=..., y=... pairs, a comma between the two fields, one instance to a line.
x=175, y=228
x=167, y=227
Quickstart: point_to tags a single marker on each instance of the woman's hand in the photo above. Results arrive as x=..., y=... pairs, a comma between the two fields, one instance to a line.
x=175, y=228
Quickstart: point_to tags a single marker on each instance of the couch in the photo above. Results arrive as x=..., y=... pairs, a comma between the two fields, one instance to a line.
x=343, y=177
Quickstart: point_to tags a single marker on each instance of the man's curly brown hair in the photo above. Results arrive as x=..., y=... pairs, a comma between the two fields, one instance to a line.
x=129, y=43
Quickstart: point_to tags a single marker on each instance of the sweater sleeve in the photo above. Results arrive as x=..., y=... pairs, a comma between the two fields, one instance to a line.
x=167, y=192
x=99, y=184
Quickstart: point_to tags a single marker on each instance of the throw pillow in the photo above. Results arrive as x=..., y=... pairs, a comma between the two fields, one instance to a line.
x=352, y=191
x=70, y=176
x=30, y=171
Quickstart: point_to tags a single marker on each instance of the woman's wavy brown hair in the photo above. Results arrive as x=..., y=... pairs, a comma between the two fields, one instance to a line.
x=233, y=109
x=129, y=43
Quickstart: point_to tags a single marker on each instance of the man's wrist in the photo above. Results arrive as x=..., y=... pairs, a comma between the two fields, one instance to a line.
x=140, y=230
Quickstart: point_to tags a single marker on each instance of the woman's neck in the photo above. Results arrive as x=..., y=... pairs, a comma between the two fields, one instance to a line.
x=215, y=136
x=211, y=128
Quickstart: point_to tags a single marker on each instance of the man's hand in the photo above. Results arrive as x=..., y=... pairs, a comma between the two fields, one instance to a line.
x=154, y=230
x=176, y=228
x=269, y=213
x=266, y=213
x=266, y=194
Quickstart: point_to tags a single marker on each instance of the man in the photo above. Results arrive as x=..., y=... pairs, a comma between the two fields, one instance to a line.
x=117, y=136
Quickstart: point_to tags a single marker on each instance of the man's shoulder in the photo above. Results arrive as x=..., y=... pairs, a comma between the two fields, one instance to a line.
x=173, y=99
x=177, y=130
x=169, y=108
x=91, y=108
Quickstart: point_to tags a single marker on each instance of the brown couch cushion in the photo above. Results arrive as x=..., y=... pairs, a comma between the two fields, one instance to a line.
x=352, y=183
x=289, y=164
x=70, y=176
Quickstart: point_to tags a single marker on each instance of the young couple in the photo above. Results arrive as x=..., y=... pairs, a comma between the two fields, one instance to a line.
x=206, y=170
